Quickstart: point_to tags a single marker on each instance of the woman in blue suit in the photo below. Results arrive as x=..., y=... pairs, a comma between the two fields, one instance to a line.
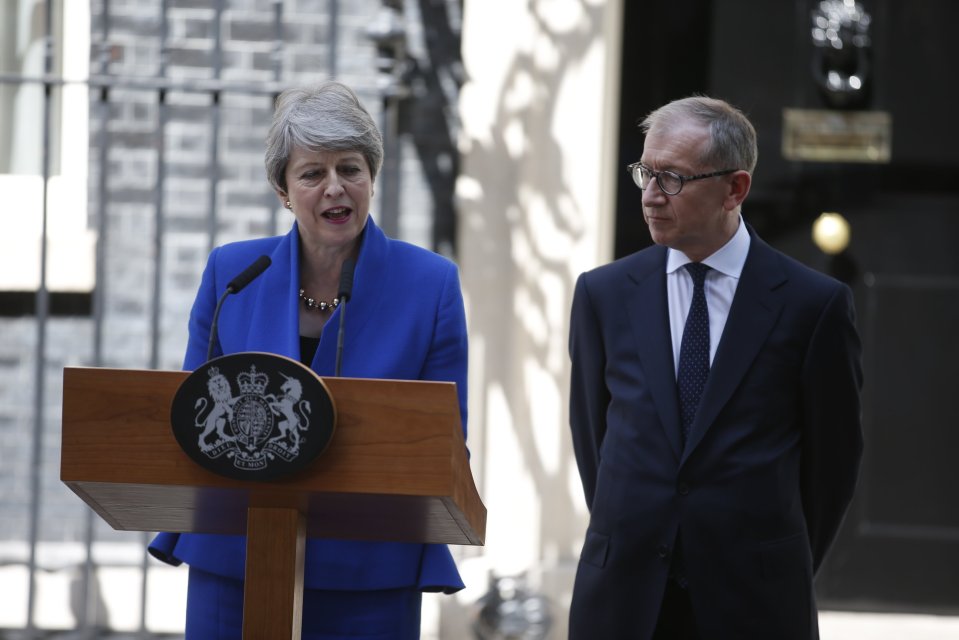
x=406, y=321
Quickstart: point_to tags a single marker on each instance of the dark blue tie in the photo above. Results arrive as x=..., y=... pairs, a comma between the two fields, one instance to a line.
x=694, y=350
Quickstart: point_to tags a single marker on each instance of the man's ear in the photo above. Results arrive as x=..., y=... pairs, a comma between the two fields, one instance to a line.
x=738, y=189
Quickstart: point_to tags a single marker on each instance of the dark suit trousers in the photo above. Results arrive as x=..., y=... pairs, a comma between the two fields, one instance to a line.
x=676, y=619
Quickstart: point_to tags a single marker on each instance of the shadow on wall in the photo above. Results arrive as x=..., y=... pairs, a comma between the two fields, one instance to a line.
x=520, y=222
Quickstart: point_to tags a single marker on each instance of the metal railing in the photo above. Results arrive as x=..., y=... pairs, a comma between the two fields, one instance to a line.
x=171, y=95
x=103, y=85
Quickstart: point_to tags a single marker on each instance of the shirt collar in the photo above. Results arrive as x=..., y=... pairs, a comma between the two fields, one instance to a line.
x=728, y=260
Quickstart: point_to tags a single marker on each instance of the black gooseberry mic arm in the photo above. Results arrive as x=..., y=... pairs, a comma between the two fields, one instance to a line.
x=235, y=285
x=346, y=290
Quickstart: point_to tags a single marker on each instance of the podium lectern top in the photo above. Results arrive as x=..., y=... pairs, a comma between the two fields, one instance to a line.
x=396, y=469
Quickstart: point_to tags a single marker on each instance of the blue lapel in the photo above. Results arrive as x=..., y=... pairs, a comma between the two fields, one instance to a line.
x=756, y=308
x=274, y=324
x=369, y=278
x=648, y=310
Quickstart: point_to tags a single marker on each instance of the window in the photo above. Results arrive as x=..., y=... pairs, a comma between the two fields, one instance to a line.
x=27, y=96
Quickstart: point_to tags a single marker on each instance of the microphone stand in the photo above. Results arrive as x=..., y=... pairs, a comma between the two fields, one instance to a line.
x=346, y=290
x=235, y=286
x=339, y=337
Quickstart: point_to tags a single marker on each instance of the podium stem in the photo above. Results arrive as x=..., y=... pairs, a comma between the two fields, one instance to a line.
x=273, y=591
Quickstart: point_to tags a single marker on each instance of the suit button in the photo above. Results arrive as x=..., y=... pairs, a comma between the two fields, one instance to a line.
x=683, y=489
x=662, y=551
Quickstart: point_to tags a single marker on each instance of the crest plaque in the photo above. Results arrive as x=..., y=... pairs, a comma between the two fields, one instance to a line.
x=253, y=416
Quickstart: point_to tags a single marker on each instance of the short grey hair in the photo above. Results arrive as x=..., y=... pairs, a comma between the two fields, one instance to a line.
x=323, y=117
x=732, y=137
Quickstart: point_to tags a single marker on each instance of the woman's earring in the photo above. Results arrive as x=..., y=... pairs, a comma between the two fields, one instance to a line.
x=289, y=205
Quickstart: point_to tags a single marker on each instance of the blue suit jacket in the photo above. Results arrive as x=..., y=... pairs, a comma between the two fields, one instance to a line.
x=405, y=321
x=769, y=469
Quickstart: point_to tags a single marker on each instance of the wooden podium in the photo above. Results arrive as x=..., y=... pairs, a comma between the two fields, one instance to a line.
x=396, y=470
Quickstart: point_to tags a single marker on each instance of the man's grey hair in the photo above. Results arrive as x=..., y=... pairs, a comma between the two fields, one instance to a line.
x=732, y=138
x=323, y=117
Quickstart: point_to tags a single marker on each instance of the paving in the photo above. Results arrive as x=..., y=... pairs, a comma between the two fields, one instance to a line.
x=842, y=625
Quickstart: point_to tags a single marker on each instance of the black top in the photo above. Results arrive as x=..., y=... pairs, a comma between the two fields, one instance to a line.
x=308, y=347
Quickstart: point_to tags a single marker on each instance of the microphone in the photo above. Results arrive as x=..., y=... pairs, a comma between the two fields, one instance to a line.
x=248, y=275
x=235, y=285
x=346, y=290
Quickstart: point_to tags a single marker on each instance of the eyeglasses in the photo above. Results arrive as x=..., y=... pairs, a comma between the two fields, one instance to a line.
x=669, y=181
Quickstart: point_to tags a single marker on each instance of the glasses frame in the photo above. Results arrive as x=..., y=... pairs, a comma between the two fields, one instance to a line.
x=654, y=175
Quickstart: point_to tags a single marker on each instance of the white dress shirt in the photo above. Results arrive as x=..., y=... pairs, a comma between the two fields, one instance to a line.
x=721, y=282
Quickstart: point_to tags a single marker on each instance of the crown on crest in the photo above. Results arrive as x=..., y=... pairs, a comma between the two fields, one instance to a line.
x=253, y=382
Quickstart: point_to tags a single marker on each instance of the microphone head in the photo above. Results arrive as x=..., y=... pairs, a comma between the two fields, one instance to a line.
x=249, y=274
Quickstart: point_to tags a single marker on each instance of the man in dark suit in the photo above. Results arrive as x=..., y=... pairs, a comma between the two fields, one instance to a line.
x=714, y=409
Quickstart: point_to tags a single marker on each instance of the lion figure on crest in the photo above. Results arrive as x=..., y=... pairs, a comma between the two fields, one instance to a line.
x=220, y=414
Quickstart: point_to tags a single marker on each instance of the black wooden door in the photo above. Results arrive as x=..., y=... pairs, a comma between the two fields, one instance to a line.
x=899, y=547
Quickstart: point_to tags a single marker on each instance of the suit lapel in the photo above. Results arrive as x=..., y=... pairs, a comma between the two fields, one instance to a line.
x=647, y=307
x=370, y=276
x=755, y=309
x=274, y=320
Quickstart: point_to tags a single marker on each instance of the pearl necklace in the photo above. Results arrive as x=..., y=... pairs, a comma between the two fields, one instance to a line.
x=318, y=305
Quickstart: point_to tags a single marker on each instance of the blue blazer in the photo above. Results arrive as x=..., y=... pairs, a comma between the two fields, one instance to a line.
x=768, y=471
x=406, y=321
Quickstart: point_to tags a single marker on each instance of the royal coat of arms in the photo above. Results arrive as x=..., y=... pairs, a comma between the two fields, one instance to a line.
x=253, y=416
